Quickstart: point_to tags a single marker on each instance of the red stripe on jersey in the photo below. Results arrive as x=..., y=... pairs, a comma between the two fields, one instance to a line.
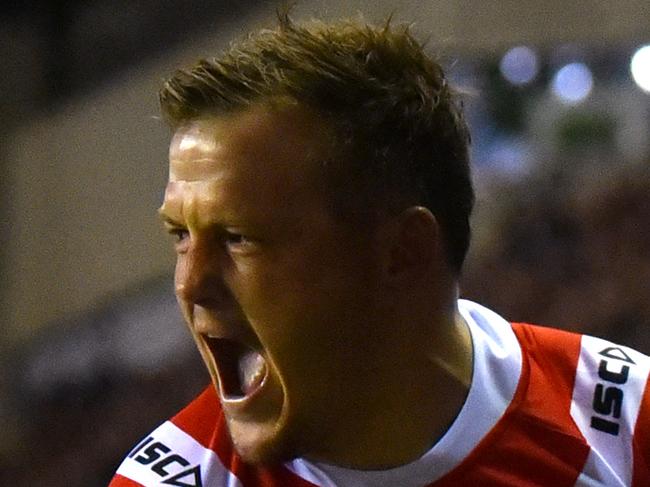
x=200, y=418
x=536, y=442
x=120, y=481
x=552, y=356
x=203, y=420
x=641, y=443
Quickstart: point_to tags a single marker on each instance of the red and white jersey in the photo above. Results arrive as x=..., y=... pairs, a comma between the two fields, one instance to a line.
x=545, y=408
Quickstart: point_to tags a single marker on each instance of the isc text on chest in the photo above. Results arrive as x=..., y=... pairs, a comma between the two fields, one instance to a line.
x=613, y=370
x=161, y=459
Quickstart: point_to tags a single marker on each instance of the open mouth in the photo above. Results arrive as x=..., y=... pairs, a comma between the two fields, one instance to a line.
x=241, y=369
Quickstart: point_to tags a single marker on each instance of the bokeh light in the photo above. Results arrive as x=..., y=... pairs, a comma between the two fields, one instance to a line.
x=573, y=83
x=640, y=68
x=520, y=65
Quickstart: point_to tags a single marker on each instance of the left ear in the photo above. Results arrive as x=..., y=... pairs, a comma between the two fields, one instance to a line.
x=416, y=245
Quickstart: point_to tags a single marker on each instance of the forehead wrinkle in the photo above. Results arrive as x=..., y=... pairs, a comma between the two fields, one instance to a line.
x=186, y=201
x=195, y=138
x=204, y=168
x=251, y=166
x=195, y=152
x=189, y=211
x=203, y=207
x=209, y=204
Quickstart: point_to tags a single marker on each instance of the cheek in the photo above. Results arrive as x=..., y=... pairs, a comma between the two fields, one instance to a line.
x=180, y=271
x=301, y=312
x=179, y=289
x=316, y=288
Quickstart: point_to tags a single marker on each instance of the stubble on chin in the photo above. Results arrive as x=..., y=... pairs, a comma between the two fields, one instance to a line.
x=267, y=444
x=266, y=452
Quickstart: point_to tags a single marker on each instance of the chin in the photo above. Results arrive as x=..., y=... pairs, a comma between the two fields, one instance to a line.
x=261, y=444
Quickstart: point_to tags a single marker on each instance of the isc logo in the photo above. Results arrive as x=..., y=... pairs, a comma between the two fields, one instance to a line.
x=164, y=462
x=609, y=395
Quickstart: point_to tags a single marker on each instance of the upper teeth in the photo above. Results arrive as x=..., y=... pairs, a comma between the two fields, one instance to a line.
x=251, y=371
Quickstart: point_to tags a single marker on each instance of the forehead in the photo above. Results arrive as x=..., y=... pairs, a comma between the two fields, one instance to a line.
x=257, y=155
x=268, y=138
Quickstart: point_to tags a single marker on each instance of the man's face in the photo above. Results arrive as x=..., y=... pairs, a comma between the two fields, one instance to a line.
x=278, y=295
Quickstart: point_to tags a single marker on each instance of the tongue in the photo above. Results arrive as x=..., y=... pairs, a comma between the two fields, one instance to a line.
x=251, y=368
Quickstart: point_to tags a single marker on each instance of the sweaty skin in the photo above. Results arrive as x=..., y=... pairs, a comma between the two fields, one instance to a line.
x=265, y=271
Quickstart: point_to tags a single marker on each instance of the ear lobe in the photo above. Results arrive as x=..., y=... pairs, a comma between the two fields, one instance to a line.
x=416, y=245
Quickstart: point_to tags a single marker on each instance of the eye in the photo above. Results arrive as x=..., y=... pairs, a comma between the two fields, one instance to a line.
x=237, y=242
x=235, y=238
x=179, y=234
x=181, y=237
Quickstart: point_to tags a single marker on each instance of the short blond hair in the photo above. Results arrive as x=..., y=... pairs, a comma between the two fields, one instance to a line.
x=388, y=101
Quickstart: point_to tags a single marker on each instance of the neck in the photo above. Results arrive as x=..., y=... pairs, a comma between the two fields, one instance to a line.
x=420, y=393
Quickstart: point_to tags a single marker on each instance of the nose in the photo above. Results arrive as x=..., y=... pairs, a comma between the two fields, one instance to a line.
x=199, y=275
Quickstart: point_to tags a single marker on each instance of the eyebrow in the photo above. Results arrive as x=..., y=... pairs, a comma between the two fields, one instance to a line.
x=167, y=219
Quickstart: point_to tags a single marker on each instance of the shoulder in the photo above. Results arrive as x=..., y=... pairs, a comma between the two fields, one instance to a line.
x=587, y=364
x=194, y=449
x=607, y=385
x=610, y=406
x=582, y=403
x=184, y=450
x=606, y=380
x=549, y=351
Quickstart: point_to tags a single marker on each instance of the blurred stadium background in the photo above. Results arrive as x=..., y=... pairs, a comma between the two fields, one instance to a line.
x=93, y=352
